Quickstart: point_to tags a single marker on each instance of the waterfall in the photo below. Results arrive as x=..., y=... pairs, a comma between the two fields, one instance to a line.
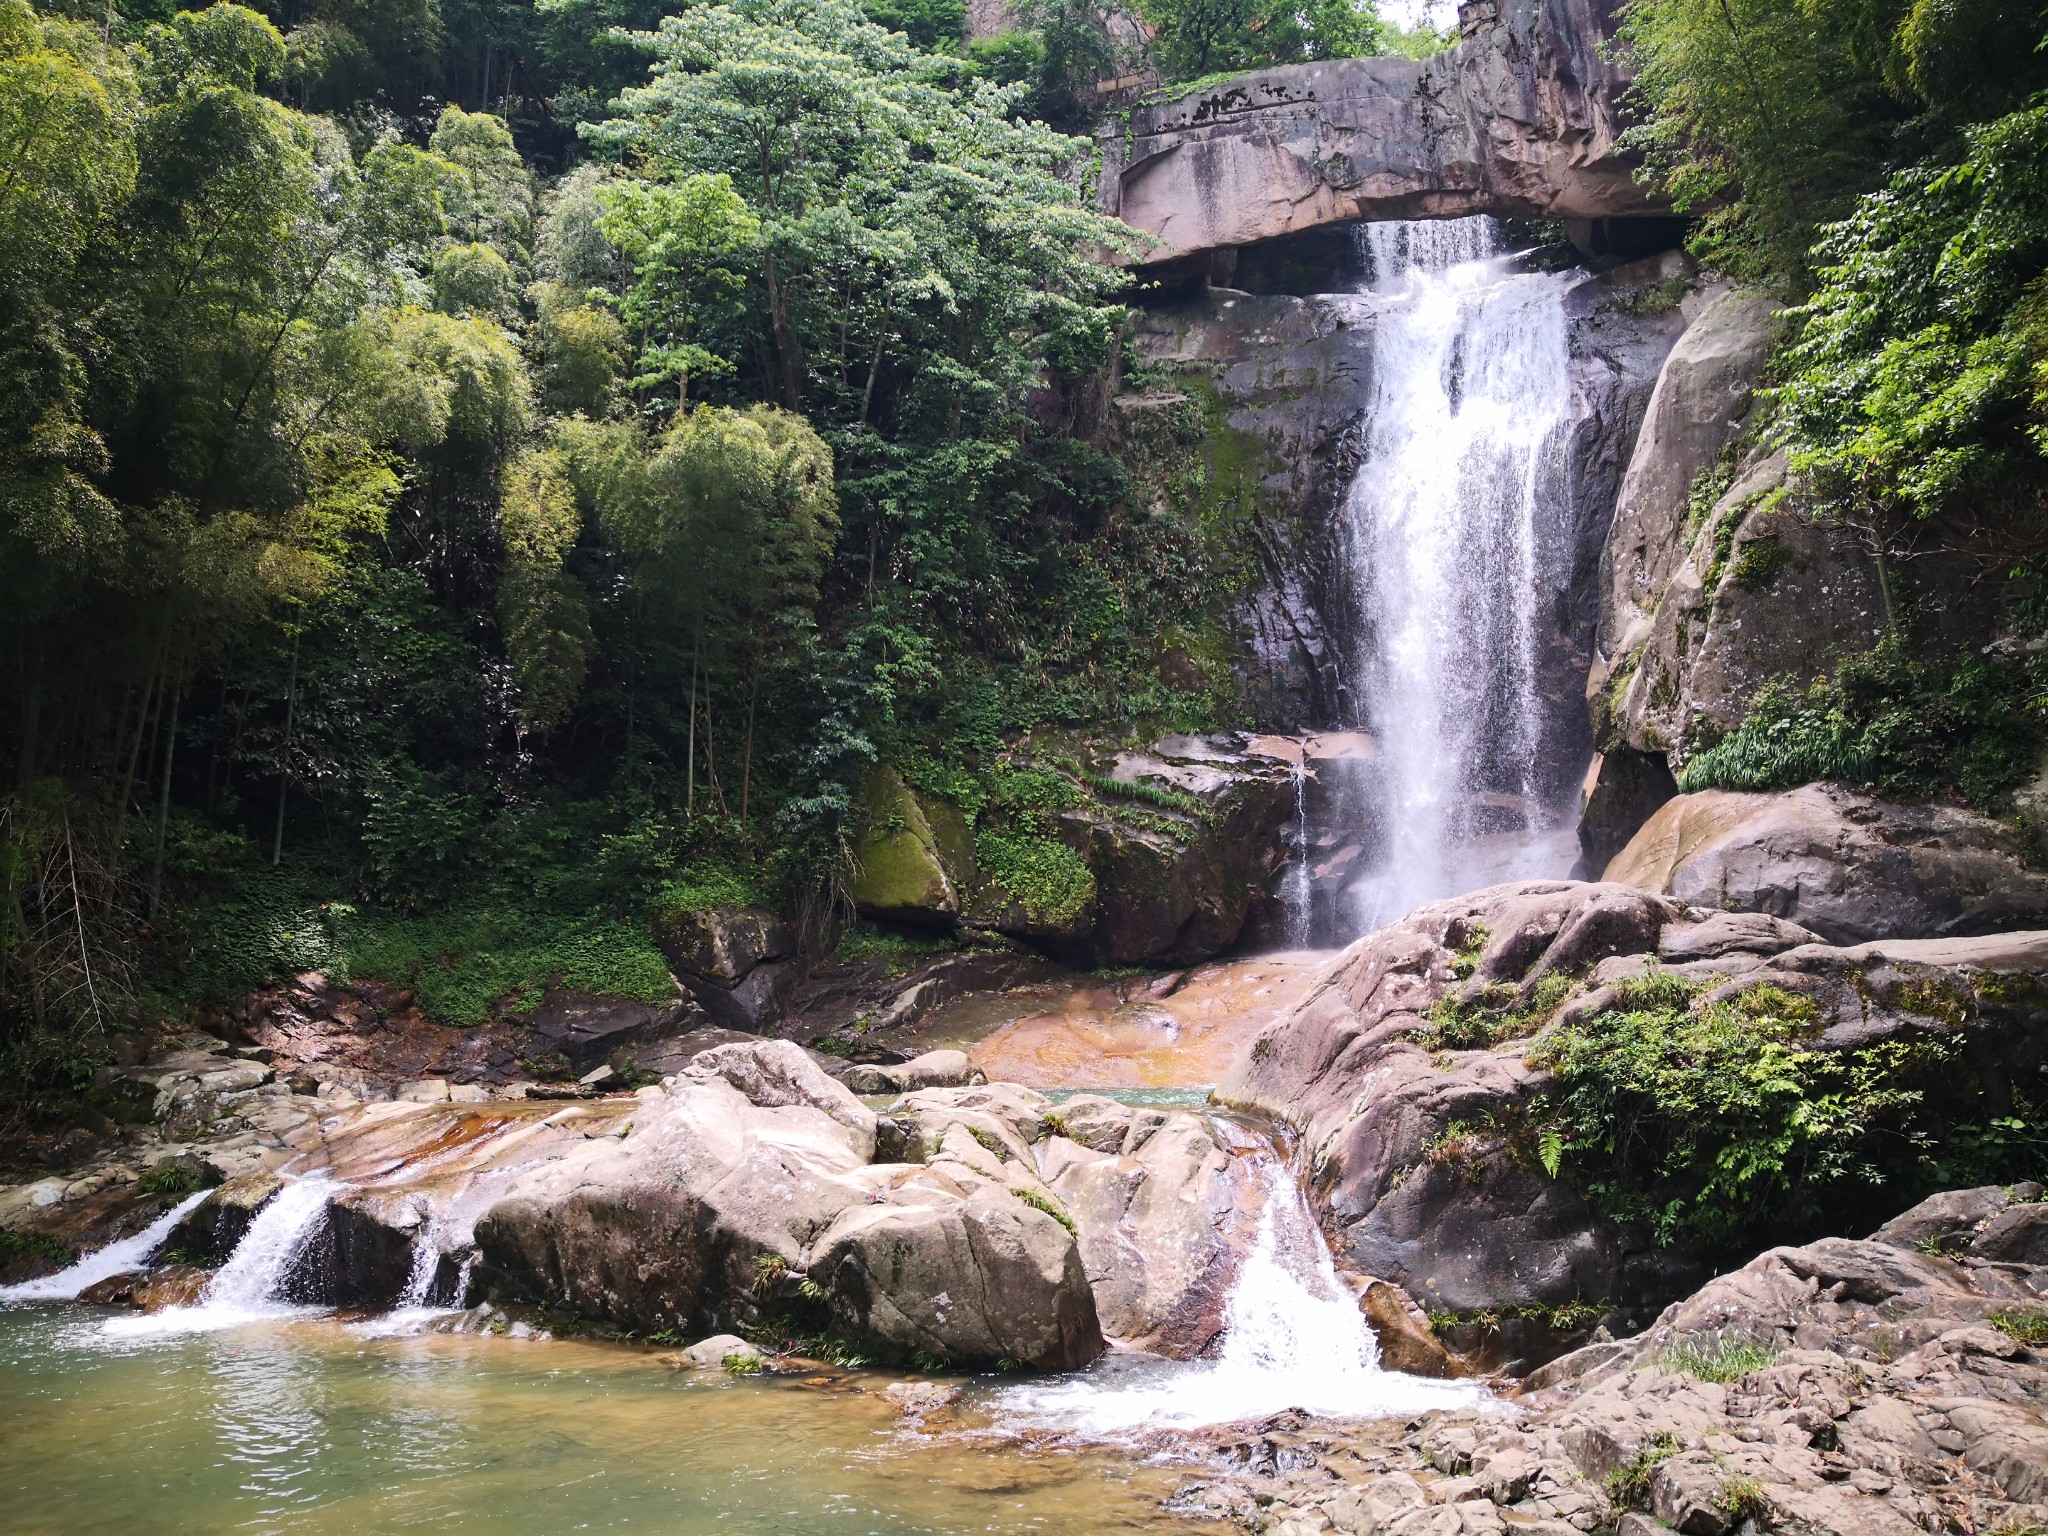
x=1455, y=540
x=1293, y=1337
x=1298, y=894
x=123, y=1257
x=255, y=1283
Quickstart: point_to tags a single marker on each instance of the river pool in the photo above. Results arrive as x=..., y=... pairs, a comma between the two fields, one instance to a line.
x=313, y=1427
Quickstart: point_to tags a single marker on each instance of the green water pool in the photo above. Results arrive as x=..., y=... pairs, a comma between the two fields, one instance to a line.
x=313, y=1427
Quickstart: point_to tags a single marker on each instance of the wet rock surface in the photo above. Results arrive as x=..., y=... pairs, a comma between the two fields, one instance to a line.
x=1843, y=1388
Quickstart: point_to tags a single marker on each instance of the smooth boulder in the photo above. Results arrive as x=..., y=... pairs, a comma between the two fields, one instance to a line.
x=1849, y=867
x=753, y=1163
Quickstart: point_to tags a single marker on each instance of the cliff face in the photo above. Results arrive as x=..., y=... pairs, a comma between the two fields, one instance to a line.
x=1288, y=381
x=1520, y=119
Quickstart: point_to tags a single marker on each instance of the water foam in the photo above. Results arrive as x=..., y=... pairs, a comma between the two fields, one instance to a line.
x=1293, y=1338
x=254, y=1285
x=129, y=1254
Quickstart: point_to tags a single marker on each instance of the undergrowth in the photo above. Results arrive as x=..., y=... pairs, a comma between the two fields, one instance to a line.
x=1491, y=1016
x=1888, y=721
x=2025, y=1327
x=1567, y=1317
x=1038, y=1202
x=1717, y=1360
x=1719, y=1124
x=1043, y=875
x=1629, y=1486
x=466, y=963
x=19, y=1247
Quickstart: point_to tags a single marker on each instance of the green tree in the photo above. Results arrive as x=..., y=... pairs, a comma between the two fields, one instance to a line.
x=1767, y=120
x=1193, y=38
x=542, y=608
x=677, y=237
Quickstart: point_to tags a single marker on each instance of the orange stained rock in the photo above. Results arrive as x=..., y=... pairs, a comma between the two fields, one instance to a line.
x=1172, y=1032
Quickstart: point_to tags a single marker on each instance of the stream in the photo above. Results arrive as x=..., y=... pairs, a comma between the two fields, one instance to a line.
x=249, y=1408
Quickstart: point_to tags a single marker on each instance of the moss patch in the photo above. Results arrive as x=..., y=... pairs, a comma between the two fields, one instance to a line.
x=898, y=869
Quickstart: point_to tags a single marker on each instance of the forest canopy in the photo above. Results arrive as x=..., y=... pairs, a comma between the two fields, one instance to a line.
x=388, y=518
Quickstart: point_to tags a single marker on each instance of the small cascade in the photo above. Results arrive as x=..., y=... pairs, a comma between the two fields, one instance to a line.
x=129, y=1254
x=1293, y=1338
x=423, y=1298
x=1456, y=539
x=256, y=1282
x=426, y=1263
x=1298, y=891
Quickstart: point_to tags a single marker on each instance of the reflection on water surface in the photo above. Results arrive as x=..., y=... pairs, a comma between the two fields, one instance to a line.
x=311, y=1428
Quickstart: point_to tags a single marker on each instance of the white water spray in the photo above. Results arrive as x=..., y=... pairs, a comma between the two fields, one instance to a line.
x=1456, y=537
x=1293, y=1337
x=253, y=1285
x=129, y=1254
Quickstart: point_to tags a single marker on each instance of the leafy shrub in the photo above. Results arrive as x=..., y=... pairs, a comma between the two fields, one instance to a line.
x=1917, y=380
x=1741, y=1499
x=1492, y=1016
x=900, y=951
x=1147, y=794
x=1042, y=874
x=1890, y=722
x=704, y=886
x=16, y=1247
x=1567, y=1317
x=170, y=1179
x=1629, y=1486
x=2025, y=1327
x=464, y=962
x=1721, y=1127
x=1038, y=1202
x=990, y=1142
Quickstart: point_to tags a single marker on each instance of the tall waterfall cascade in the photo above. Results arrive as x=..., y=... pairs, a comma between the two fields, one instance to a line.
x=1454, y=543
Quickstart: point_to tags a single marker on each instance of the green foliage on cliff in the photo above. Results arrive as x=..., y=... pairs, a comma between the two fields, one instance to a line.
x=1890, y=722
x=1768, y=120
x=1719, y=1123
x=505, y=521
x=1885, y=161
x=1048, y=879
x=1920, y=376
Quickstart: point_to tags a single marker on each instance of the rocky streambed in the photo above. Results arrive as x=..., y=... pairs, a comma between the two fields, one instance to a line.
x=1378, y=1283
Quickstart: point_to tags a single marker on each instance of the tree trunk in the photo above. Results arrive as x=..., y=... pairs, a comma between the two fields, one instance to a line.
x=134, y=760
x=867, y=393
x=747, y=758
x=163, y=804
x=785, y=340
x=284, y=762
x=31, y=717
x=690, y=777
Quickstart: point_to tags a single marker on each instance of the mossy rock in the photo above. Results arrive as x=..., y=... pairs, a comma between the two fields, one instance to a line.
x=901, y=871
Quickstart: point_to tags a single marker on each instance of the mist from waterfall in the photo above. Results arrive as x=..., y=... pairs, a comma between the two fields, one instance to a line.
x=1455, y=540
